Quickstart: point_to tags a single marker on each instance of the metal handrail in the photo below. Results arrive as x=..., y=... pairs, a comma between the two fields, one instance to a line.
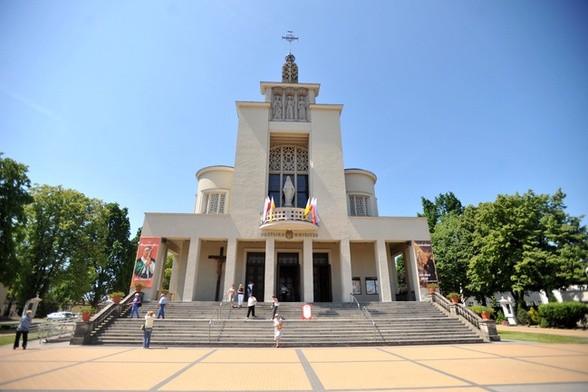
x=366, y=313
x=216, y=315
x=368, y=316
x=353, y=299
x=56, y=329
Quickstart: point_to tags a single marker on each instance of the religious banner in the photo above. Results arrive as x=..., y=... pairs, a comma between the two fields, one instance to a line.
x=145, y=261
x=425, y=262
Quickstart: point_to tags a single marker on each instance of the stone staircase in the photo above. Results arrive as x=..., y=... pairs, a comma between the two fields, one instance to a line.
x=332, y=324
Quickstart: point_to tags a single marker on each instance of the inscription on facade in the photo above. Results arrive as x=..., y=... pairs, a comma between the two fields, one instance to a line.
x=288, y=234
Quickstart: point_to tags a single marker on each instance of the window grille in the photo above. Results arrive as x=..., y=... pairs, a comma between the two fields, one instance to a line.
x=214, y=203
x=358, y=205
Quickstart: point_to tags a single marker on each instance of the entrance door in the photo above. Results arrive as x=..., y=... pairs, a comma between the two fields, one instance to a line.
x=321, y=277
x=255, y=272
x=288, y=287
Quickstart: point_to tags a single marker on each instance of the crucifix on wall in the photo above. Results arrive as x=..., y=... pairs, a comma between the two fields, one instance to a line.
x=220, y=259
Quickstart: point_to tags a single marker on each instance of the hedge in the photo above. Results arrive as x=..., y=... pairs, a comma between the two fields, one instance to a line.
x=562, y=315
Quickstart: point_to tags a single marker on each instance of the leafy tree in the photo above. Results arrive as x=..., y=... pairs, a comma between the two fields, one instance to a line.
x=451, y=258
x=169, y=262
x=115, y=261
x=60, y=239
x=14, y=195
x=524, y=243
x=445, y=204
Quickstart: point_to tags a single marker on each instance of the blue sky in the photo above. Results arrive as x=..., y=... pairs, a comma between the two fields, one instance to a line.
x=126, y=100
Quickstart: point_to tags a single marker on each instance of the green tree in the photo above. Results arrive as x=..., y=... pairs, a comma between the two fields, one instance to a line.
x=525, y=243
x=451, y=258
x=14, y=196
x=169, y=262
x=444, y=204
x=111, y=270
x=60, y=239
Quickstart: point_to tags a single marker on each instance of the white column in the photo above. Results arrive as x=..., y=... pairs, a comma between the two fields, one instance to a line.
x=383, y=271
x=412, y=273
x=270, y=270
x=346, y=285
x=173, y=280
x=151, y=292
x=191, y=271
x=230, y=264
x=307, y=264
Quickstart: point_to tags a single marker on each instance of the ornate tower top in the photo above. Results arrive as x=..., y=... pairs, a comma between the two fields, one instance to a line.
x=290, y=69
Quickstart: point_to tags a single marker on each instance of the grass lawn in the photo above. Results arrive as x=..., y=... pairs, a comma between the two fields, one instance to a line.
x=540, y=337
x=6, y=338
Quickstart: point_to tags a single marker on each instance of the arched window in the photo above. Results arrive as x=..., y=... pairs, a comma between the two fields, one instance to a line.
x=288, y=161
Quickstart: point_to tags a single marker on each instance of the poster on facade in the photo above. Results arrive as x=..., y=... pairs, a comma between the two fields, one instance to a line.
x=425, y=262
x=145, y=261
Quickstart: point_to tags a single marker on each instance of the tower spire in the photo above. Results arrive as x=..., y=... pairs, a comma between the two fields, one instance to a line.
x=290, y=69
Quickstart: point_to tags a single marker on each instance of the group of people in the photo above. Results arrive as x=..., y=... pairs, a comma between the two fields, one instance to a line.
x=25, y=323
x=150, y=317
x=252, y=302
x=240, y=294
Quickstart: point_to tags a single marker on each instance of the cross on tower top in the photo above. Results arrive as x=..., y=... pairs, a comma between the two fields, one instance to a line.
x=290, y=37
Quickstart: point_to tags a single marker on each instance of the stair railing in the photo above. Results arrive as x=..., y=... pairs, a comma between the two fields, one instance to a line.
x=216, y=315
x=366, y=314
x=353, y=299
x=83, y=331
x=487, y=328
x=457, y=309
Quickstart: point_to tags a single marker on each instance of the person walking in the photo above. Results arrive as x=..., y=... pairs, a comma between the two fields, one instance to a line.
x=275, y=305
x=148, y=328
x=278, y=328
x=23, y=329
x=162, y=302
x=251, y=302
x=240, y=295
x=231, y=292
x=135, y=305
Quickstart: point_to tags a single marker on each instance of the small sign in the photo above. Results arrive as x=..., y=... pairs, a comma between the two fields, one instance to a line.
x=306, y=312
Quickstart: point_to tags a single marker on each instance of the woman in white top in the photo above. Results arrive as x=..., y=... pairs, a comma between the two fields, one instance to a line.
x=148, y=328
x=278, y=327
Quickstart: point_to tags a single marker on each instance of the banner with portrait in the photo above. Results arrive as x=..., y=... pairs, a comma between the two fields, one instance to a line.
x=425, y=262
x=144, y=266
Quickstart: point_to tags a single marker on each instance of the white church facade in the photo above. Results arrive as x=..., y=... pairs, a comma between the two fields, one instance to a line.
x=288, y=216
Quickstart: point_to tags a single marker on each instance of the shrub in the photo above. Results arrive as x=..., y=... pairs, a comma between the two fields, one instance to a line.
x=478, y=309
x=117, y=294
x=533, y=316
x=522, y=315
x=499, y=317
x=450, y=296
x=562, y=315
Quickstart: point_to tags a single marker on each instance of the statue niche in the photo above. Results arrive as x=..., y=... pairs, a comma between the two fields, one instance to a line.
x=288, y=192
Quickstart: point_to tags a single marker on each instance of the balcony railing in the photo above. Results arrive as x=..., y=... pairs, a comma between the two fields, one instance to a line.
x=288, y=215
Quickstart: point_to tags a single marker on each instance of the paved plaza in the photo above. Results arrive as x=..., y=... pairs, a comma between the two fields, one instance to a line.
x=502, y=366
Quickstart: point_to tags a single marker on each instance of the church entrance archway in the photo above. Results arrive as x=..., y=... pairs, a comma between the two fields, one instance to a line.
x=255, y=272
x=288, y=287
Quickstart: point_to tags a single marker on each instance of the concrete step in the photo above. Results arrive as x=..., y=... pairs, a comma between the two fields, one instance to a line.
x=193, y=324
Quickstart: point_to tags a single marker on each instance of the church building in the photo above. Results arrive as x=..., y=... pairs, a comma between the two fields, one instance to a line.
x=287, y=217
